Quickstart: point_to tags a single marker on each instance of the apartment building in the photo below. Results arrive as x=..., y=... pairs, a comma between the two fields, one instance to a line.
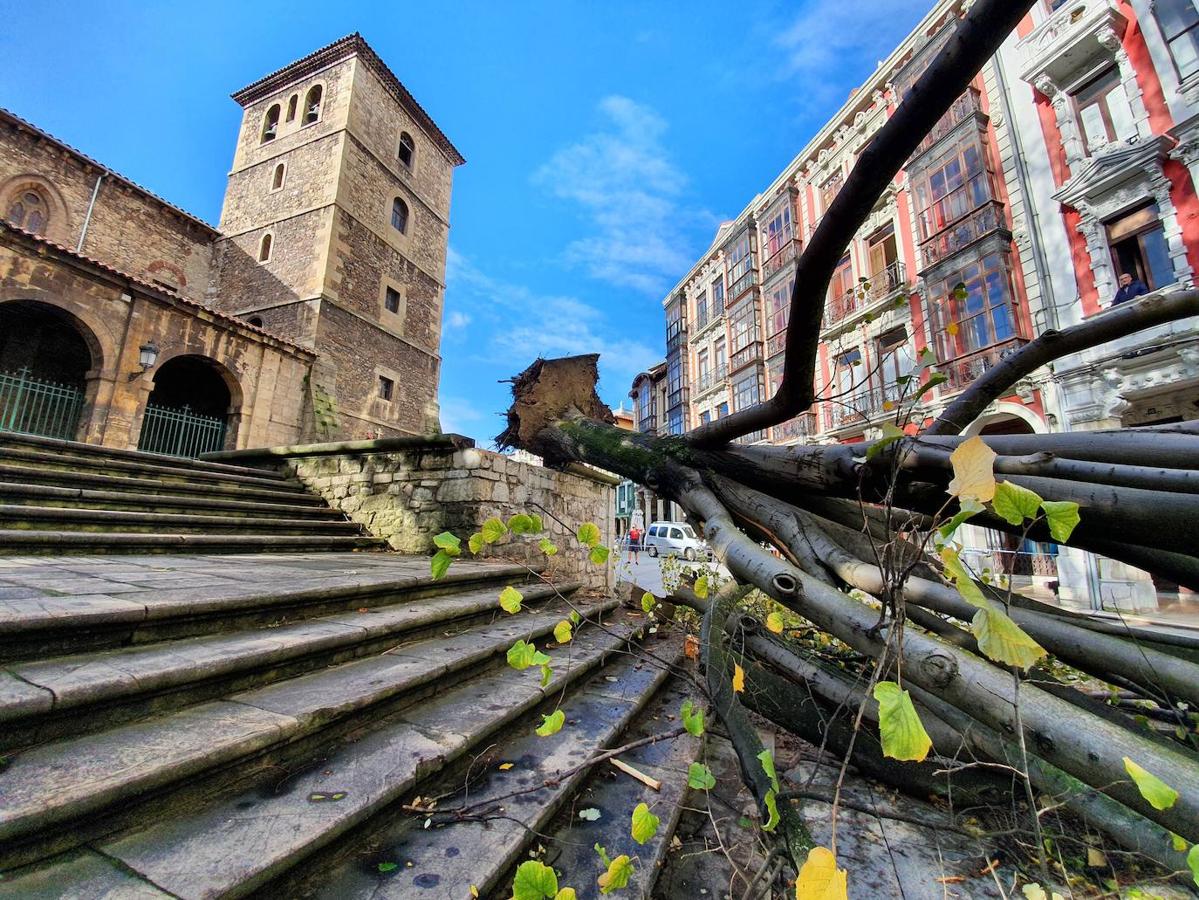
x=1070, y=160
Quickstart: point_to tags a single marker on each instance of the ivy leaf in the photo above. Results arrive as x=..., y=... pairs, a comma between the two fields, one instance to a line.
x=448, y=542
x=534, y=881
x=548, y=547
x=700, y=777
x=645, y=823
x=603, y=855
x=766, y=758
x=552, y=723
x=693, y=718
x=738, y=679
x=1061, y=516
x=701, y=587
x=567, y=893
x=903, y=734
x=1158, y=794
x=598, y=554
x=588, y=534
x=521, y=655
x=1193, y=862
x=772, y=809
x=966, y=509
x=620, y=870
x=1178, y=842
x=574, y=617
x=476, y=543
x=891, y=433
x=774, y=623
x=538, y=527
x=385, y=867
x=973, y=470
x=934, y=380
x=521, y=524
x=966, y=585
x=1002, y=640
x=820, y=879
x=648, y=602
x=440, y=564
x=1015, y=503
x=563, y=632
x=510, y=599
x=546, y=674
x=493, y=529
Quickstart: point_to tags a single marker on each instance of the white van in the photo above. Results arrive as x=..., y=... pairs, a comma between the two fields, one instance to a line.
x=677, y=538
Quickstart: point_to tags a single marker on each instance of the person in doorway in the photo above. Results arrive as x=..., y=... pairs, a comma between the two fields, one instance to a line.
x=634, y=545
x=1130, y=289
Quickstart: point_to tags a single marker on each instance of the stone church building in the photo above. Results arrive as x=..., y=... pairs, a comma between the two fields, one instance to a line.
x=312, y=312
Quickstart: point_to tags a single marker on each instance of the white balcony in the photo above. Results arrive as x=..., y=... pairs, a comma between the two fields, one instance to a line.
x=1067, y=43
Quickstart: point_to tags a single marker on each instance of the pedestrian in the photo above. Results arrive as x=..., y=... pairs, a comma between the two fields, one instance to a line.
x=635, y=545
x=1130, y=289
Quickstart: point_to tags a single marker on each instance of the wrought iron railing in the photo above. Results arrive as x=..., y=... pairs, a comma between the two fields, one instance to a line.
x=964, y=106
x=712, y=377
x=750, y=353
x=800, y=428
x=741, y=285
x=1011, y=562
x=648, y=424
x=966, y=369
x=180, y=432
x=879, y=286
x=753, y=437
x=33, y=406
x=970, y=228
x=781, y=257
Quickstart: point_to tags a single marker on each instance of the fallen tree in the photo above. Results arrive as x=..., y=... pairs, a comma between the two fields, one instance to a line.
x=865, y=552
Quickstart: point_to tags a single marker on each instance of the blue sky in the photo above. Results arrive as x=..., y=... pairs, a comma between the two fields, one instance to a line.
x=604, y=141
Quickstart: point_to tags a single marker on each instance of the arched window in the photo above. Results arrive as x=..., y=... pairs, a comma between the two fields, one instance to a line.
x=29, y=211
x=407, y=151
x=270, y=125
x=312, y=105
x=264, y=248
x=256, y=321
x=399, y=215
x=277, y=179
x=291, y=107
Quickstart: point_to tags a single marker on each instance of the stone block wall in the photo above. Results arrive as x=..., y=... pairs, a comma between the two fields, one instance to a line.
x=409, y=489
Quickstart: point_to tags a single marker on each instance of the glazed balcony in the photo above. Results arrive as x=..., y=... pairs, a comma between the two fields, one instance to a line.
x=712, y=378
x=648, y=424
x=866, y=298
x=802, y=428
x=676, y=334
x=742, y=285
x=750, y=353
x=964, y=107
x=754, y=437
x=973, y=226
x=676, y=398
x=779, y=260
x=964, y=370
x=776, y=344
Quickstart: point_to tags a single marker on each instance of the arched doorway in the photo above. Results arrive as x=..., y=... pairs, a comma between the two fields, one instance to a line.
x=44, y=364
x=187, y=413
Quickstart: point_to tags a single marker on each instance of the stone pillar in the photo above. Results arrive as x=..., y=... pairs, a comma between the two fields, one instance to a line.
x=1160, y=185
x=1187, y=153
x=1101, y=264
x=1109, y=40
x=1066, y=125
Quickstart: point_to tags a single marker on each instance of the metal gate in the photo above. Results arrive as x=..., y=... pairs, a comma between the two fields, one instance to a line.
x=32, y=406
x=180, y=432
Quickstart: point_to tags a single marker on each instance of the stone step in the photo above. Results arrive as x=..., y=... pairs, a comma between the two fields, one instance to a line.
x=250, y=840
x=29, y=541
x=107, y=603
x=55, y=518
x=446, y=859
x=13, y=440
x=302, y=506
x=283, y=493
x=48, y=699
x=151, y=467
x=65, y=793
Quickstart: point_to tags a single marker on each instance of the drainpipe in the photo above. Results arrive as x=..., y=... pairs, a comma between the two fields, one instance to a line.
x=87, y=220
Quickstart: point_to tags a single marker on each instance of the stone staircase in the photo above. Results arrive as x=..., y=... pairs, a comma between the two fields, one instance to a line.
x=57, y=495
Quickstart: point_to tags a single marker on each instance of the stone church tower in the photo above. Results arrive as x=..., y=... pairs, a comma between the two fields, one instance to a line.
x=334, y=233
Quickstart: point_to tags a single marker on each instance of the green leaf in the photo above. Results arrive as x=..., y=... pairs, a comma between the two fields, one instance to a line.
x=935, y=380
x=645, y=823
x=588, y=534
x=648, y=602
x=538, y=526
x=563, y=632
x=440, y=564
x=534, y=881
x=969, y=590
x=891, y=434
x=959, y=291
x=772, y=809
x=521, y=524
x=1061, y=516
x=510, y=599
x=903, y=733
x=493, y=529
x=1178, y=842
x=1015, y=503
x=701, y=587
x=567, y=893
x=603, y=855
x=598, y=554
x=476, y=543
x=1158, y=794
x=546, y=674
x=1002, y=640
x=385, y=867
x=693, y=718
x=620, y=870
x=448, y=542
x=1193, y=862
x=548, y=547
x=774, y=623
x=766, y=758
x=521, y=655
x=552, y=723
x=966, y=509
x=574, y=617
x=700, y=777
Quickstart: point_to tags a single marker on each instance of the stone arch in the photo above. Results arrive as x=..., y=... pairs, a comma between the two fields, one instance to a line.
x=58, y=225
x=196, y=387
x=1007, y=412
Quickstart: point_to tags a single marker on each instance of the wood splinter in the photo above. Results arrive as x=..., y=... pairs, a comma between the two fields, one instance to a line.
x=652, y=783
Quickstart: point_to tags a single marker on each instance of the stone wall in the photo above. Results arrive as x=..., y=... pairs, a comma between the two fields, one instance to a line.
x=409, y=489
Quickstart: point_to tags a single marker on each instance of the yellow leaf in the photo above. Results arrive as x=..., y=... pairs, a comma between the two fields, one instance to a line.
x=562, y=632
x=1001, y=639
x=504, y=767
x=474, y=891
x=617, y=876
x=820, y=879
x=973, y=470
x=774, y=623
x=566, y=894
x=1159, y=794
x=510, y=599
x=551, y=724
x=952, y=328
x=738, y=679
x=899, y=724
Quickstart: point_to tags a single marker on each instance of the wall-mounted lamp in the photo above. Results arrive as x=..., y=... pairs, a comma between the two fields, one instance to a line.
x=147, y=355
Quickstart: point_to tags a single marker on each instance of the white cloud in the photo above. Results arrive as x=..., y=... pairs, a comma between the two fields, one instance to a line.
x=458, y=416
x=457, y=320
x=622, y=179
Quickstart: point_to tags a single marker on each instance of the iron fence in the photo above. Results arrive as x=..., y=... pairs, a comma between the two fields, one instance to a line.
x=33, y=406
x=180, y=432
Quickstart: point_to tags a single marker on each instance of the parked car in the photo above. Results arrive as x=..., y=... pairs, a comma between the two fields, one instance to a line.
x=678, y=538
